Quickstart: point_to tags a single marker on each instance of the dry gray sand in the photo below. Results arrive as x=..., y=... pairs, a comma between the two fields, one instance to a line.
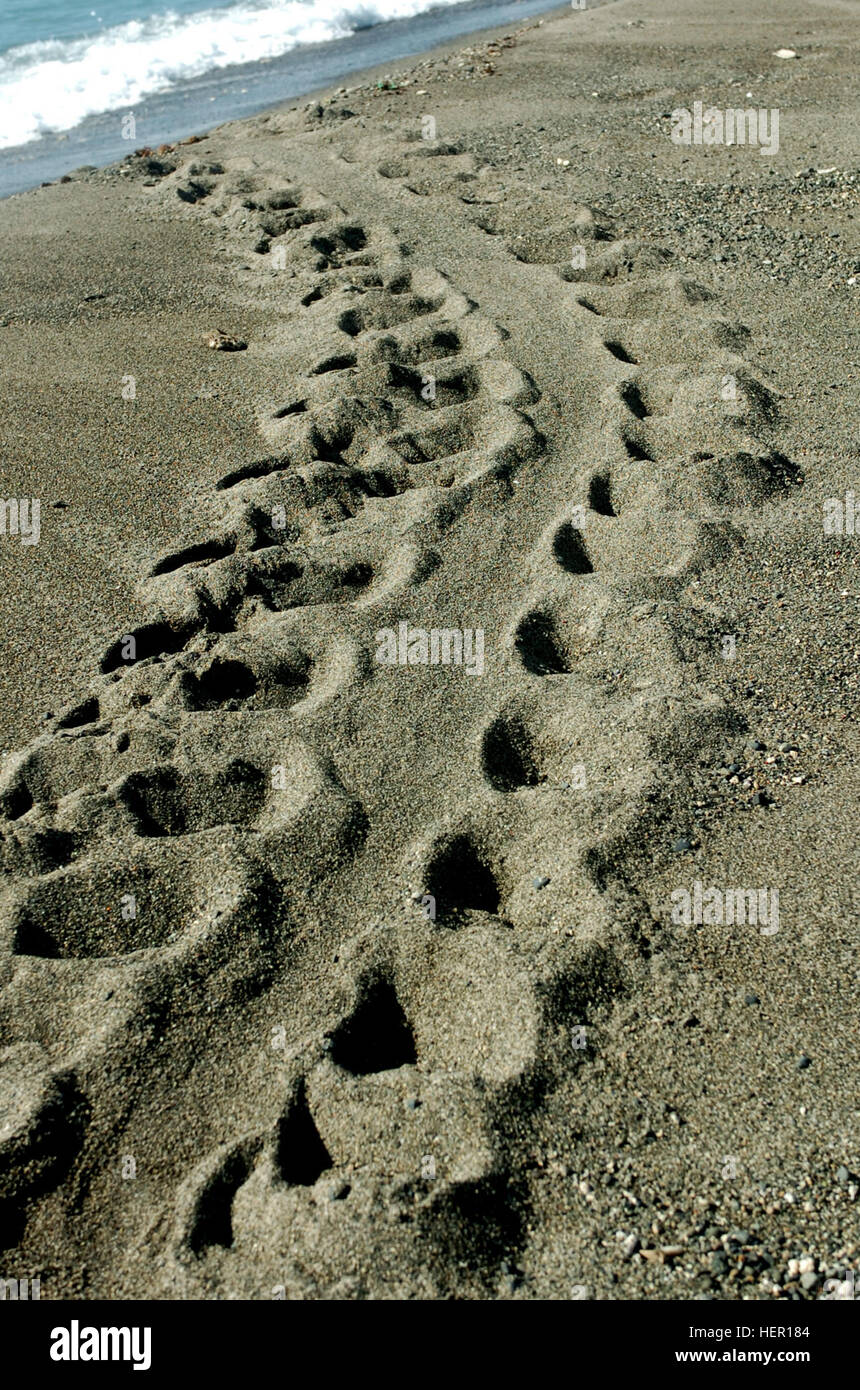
x=327, y=977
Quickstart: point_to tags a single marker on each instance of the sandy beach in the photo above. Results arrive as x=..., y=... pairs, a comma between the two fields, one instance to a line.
x=429, y=682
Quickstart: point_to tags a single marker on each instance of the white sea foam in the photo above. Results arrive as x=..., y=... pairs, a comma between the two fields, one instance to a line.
x=52, y=85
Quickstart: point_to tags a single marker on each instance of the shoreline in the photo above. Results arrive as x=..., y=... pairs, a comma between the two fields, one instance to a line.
x=250, y=89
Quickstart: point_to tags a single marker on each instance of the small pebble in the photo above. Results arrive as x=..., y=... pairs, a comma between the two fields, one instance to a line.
x=803, y=1062
x=540, y=882
x=225, y=342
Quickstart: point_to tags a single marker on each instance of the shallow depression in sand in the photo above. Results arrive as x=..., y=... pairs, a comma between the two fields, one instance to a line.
x=91, y=910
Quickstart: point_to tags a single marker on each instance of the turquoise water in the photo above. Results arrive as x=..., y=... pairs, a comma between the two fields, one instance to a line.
x=31, y=21
x=63, y=62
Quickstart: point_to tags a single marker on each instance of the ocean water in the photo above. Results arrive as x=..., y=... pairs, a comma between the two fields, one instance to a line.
x=63, y=60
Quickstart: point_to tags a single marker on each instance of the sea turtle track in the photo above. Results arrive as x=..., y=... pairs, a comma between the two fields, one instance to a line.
x=193, y=778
